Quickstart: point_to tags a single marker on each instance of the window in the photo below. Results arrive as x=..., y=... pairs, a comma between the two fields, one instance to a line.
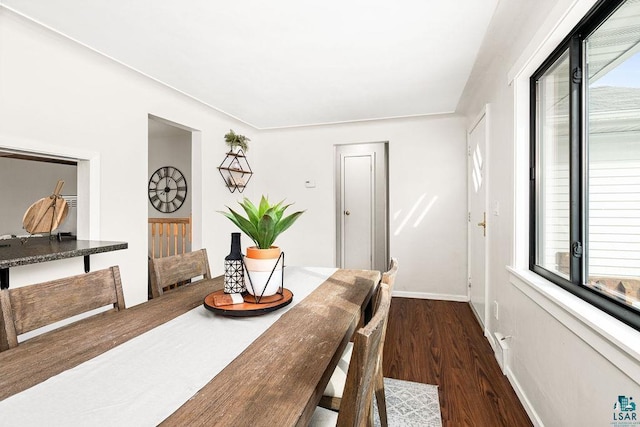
x=585, y=162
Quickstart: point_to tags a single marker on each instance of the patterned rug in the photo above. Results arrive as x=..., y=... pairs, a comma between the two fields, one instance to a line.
x=410, y=404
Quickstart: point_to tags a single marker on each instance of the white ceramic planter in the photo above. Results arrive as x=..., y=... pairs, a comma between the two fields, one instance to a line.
x=259, y=271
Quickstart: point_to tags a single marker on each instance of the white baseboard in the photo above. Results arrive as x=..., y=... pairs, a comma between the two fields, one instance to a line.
x=426, y=295
x=533, y=415
x=492, y=341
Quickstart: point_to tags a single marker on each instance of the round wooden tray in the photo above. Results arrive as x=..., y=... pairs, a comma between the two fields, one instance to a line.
x=249, y=307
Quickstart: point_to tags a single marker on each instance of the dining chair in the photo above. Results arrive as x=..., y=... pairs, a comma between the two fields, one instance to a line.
x=389, y=278
x=173, y=271
x=335, y=388
x=357, y=398
x=31, y=307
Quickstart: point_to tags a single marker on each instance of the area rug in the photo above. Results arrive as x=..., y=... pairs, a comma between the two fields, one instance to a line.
x=410, y=404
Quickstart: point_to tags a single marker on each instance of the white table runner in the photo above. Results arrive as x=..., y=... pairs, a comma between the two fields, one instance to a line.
x=143, y=381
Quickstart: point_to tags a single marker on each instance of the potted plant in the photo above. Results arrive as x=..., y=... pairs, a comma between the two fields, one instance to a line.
x=234, y=140
x=263, y=224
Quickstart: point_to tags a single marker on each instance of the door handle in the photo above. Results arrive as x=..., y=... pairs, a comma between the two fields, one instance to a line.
x=347, y=213
x=483, y=224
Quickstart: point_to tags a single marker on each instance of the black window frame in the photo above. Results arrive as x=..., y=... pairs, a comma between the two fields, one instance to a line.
x=578, y=169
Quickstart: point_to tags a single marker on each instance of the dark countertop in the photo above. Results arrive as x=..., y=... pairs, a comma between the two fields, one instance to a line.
x=42, y=249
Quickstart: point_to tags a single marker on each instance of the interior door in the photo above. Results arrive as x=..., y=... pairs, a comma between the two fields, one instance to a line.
x=478, y=227
x=361, y=206
x=358, y=213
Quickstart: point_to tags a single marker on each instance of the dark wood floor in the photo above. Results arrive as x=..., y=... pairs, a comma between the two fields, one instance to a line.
x=441, y=343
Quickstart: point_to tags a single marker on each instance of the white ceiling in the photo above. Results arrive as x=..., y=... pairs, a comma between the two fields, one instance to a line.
x=288, y=62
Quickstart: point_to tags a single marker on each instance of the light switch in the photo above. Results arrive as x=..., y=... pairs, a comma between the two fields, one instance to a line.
x=496, y=209
x=310, y=183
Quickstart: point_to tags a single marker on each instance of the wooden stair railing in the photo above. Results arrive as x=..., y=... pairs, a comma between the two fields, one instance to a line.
x=169, y=236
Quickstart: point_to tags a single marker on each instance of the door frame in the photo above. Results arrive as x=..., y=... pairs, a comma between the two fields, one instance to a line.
x=380, y=205
x=483, y=318
x=195, y=186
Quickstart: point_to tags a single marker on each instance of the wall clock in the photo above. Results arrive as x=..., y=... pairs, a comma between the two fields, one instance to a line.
x=167, y=189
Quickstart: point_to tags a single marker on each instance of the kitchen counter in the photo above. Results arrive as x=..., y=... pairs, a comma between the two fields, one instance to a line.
x=13, y=252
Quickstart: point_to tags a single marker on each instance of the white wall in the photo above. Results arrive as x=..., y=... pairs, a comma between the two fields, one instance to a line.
x=170, y=146
x=427, y=166
x=60, y=97
x=57, y=96
x=568, y=361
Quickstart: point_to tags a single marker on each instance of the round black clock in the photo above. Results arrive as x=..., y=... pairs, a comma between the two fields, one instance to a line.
x=167, y=189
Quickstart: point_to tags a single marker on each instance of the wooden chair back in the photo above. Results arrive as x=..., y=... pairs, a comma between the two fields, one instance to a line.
x=331, y=399
x=170, y=272
x=31, y=307
x=357, y=398
x=389, y=277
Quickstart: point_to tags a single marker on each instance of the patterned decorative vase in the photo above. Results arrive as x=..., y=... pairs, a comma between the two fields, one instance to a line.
x=233, y=270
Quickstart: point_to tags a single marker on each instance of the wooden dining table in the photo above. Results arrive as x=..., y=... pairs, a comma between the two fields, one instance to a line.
x=277, y=379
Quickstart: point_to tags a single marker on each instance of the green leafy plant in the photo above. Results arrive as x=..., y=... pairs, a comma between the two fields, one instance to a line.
x=235, y=140
x=264, y=222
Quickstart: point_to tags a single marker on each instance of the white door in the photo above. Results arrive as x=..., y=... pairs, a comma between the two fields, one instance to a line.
x=361, y=206
x=478, y=227
x=358, y=213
